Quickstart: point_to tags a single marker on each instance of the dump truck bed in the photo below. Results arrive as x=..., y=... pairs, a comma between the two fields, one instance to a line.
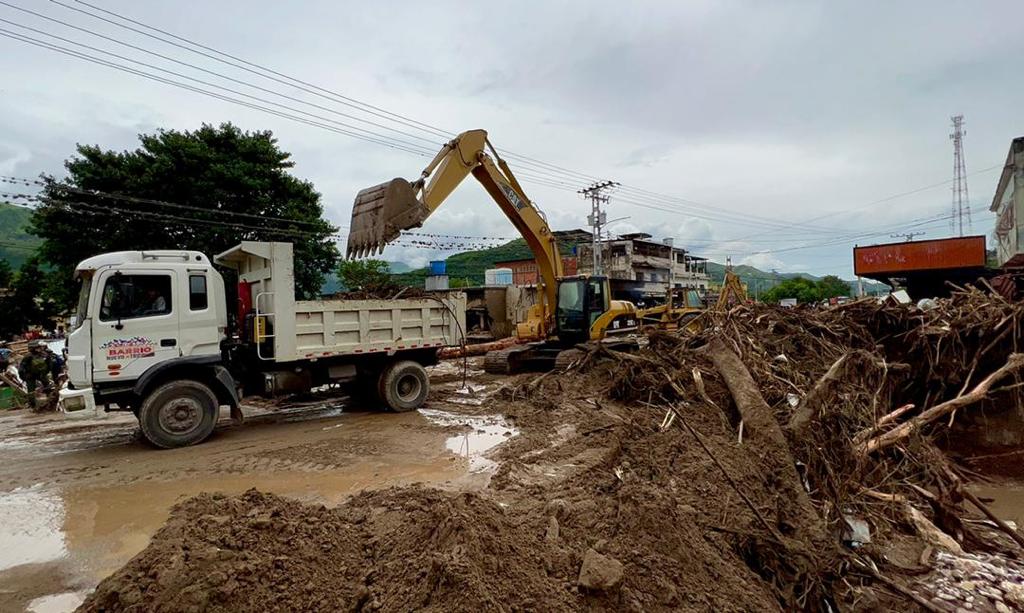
x=339, y=327
x=289, y=330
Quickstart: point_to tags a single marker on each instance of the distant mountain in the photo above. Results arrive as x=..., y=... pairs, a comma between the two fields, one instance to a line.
x=758, y=280
x=397, y=267
x=16, y=245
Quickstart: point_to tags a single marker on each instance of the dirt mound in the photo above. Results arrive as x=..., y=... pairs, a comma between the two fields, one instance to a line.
x=391, y=550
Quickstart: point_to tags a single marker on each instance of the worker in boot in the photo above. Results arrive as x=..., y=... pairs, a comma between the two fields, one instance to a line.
x=40, y=369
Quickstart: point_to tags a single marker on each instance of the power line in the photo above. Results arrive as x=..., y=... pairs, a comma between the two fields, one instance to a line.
x=135, y=199
x=114, y=65
x=382, y=137
x=194, y=67
x=242, y=65
x=538, y=166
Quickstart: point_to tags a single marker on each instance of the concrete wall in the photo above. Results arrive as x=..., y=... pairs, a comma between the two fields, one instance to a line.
x=1008, y=205
x=651, y=266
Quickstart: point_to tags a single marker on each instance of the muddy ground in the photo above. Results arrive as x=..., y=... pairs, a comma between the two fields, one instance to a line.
x=80, y=497
x=519, y=495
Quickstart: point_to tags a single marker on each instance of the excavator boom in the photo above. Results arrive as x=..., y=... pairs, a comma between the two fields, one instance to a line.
x=380, y=213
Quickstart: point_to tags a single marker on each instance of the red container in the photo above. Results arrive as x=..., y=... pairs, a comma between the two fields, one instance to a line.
x=941, y=254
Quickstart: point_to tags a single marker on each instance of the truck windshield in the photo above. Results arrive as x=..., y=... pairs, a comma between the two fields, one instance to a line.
x=83, y=299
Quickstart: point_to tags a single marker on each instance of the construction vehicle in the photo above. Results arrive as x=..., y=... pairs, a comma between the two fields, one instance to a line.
x=681, y=308
x=732, y=292
x=569, y=310
x=152, y=336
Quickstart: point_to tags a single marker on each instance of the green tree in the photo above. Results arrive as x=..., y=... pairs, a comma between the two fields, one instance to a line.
x=365, y=275
x=6, y=274
x=230, y=185
x=804, y=290
x=831, y=286
x=23, y=306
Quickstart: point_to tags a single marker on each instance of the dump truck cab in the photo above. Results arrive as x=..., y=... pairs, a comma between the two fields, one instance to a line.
x=141, y=312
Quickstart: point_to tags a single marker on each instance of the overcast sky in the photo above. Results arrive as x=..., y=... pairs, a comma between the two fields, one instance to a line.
x=778, y=126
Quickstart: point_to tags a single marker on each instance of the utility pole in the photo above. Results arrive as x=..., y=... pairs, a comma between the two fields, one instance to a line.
x=961, y=201
x=908, y=235
x=597, y=218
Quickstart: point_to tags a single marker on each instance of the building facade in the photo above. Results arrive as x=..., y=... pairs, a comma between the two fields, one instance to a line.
x=1008, y=205
x=525, y=273
x=640, y=268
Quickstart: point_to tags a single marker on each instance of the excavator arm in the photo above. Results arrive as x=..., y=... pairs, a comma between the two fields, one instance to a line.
x=382, y=212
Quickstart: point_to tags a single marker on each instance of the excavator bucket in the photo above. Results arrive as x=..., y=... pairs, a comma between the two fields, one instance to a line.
x=379, y=215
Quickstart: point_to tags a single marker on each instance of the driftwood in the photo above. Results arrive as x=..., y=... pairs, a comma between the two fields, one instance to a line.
x=765, y=432
x=13, y=383
x=809, y=405
x=885, y=420
x=905, y=429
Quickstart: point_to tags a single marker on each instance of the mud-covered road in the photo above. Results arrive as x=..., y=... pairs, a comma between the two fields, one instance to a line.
x=80, y=497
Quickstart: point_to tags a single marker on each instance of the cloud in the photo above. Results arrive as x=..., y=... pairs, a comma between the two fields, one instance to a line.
x=779, y=124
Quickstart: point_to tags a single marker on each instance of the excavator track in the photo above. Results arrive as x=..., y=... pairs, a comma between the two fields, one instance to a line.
x=567, y=358
x=500, y=361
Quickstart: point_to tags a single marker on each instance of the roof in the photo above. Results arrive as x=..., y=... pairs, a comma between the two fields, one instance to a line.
x=140, y=257
x=530, y=259
x=571, y=235
x=1016, y=146
x=635, y=236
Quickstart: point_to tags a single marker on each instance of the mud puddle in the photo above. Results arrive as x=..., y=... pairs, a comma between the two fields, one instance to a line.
x=73, y=517
x=56, y=603
x=1006, y=499
x=480, y=436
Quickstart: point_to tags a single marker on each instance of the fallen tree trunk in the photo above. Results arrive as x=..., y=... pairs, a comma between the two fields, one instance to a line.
x=904, y=430
x=449, y=353
x=765, y=434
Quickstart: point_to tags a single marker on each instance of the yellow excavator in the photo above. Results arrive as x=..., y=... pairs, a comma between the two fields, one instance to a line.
x=569, y=310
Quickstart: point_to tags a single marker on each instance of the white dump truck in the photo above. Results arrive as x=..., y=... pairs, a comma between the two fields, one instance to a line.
x=153, y=336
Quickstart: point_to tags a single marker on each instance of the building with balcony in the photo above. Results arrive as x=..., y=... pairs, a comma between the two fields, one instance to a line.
x=642, y=269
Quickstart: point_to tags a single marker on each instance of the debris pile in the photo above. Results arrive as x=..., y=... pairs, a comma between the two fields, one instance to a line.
x=772, y=461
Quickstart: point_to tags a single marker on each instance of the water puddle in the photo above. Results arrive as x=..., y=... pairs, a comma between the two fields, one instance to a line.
x=482, y=434
x=30, y=532
x=1007, y=499
x=56, y=603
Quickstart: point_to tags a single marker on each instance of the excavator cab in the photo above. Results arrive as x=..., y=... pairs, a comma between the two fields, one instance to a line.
x=581, y=302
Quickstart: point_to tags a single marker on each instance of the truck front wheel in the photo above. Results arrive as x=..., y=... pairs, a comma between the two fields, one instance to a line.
x=178, y=414
x=404, y=385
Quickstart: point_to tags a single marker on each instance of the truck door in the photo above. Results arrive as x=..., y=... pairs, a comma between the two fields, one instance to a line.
x=136, y=323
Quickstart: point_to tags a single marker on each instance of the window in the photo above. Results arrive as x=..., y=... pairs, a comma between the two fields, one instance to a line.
x=570, y=296
x=131, y=296
x=197, y=300
x=596, y=297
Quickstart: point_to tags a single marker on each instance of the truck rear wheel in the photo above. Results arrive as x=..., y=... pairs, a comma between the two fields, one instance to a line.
x=403, y=386
x=178, y=414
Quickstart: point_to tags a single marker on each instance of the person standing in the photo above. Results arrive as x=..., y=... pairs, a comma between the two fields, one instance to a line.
x=41, y=368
